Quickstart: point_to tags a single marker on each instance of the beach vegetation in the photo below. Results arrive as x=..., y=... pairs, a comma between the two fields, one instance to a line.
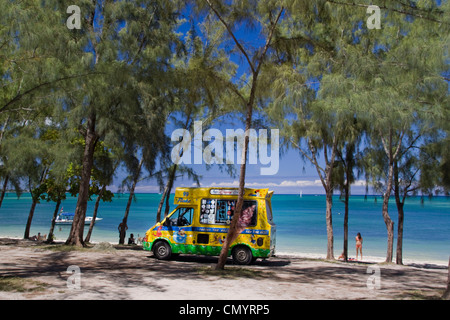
x=335, y=72
x=226, y=19
x=76, y=104
x=17, y=284
x=129, y=45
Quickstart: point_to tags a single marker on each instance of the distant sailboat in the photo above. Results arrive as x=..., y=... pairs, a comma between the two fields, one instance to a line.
x=301, y=193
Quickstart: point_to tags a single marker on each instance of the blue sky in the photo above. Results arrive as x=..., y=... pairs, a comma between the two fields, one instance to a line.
x=290, y=179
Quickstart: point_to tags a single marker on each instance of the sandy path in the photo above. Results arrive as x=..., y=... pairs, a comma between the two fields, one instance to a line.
x=136, y=274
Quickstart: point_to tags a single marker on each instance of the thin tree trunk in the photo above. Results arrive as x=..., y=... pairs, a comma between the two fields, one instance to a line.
x=94, y=216
x=33, y=205
x=400, y=206
x=52, y=226
x=76, y=232
x=399, y=258
x=329, y=219
x=232, y=231
x=387, y=219
x=346, y=201
x=161, y=202
x=166, y=194
x=30, y=218
x=349, y=163
x=446, y=295
x=5, y=184
x=169, y=184
x=130, y=198
x=167, y=207
x=169, y=189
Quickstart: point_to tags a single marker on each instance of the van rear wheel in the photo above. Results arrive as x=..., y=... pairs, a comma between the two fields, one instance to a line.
x=242, y=255
x=162, y=250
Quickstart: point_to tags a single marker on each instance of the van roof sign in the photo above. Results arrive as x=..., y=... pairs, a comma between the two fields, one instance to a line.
x=185, y=195
x=231, y=192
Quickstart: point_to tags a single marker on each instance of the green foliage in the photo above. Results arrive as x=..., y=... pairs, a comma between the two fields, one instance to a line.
x=341, y=94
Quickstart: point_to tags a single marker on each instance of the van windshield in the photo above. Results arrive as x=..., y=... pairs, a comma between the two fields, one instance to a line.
x=181, y=217
x=217, y=211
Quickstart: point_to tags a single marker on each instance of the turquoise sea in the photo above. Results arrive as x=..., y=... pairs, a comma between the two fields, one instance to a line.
x=301, y=228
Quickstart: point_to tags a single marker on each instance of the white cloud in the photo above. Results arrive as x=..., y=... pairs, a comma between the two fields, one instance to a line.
x=284, y=183
x=147, y=189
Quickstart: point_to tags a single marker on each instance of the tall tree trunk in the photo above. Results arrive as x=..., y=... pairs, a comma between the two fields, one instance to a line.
x=52, y=226
x=399, y=257
x=329, y=219
x=171, y=178
x=166, y=194
x=400, y=206
x=169, y=190
x=33, y=205
x=232, y=231
x=30, y=218
x=349, y=163
x=446, y=295
x=122, y=233
x=346, y=201
x=76, y=232
x=387, y=219
x=94, y=216
x=5, y=184
x=161, y=202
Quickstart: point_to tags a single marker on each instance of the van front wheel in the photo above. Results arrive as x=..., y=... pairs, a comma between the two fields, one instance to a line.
x=242, y=255
x=162, y=250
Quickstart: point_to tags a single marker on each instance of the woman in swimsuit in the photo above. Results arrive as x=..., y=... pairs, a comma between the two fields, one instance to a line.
x=359, y=242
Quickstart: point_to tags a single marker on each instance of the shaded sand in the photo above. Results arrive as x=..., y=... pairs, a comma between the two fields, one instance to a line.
x=130, y=273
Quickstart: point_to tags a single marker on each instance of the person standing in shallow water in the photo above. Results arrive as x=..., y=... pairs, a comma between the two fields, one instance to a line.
x=359, y=241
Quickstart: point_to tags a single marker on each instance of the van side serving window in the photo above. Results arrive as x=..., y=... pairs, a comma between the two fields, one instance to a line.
x=217, y=211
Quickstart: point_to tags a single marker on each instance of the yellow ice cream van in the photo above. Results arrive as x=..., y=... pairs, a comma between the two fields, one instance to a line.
x=200, y=222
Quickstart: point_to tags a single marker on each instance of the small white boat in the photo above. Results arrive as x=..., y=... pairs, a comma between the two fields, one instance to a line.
x=67, y=218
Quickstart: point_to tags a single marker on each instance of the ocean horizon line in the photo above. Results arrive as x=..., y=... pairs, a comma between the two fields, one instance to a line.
x=281, y=194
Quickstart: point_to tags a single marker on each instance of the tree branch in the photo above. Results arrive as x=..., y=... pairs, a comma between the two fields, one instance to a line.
x=232, y=35
x=269, y=38
x=20, y=95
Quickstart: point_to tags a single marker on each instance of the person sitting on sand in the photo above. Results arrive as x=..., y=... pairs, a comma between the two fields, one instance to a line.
x=131, y=239
x=34, y=238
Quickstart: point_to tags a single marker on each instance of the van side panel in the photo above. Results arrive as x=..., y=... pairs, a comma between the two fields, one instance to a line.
x=185, y=240
x=205, y=235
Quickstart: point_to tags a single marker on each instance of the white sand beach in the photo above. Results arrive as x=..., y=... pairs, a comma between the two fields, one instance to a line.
x=128, y=272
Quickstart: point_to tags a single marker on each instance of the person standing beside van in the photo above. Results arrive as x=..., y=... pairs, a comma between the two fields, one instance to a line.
x=359, y=241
